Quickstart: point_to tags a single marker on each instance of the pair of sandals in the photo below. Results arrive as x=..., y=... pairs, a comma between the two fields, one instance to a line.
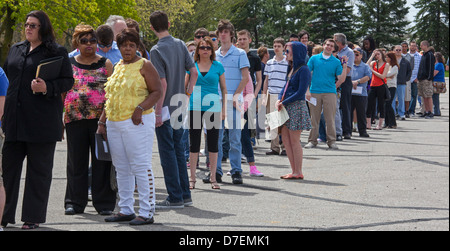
x=214, y=184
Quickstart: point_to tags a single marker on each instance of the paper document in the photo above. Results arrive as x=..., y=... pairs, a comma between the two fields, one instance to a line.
x=359, y=90
x=312, y=101
x=165, y=114
x=277, y=118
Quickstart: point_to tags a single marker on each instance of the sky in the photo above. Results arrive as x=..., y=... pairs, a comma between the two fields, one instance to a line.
x=412, y=11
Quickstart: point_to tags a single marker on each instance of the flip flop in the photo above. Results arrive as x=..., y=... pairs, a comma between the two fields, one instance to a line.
x=28, y=225
x=292, y=177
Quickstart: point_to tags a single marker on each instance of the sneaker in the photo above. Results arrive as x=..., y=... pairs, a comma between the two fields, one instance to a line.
x=339, y=138
x=255, y=173
x=429, y=115
x=188, y=202
x=169, y=205
x=310, y=145
x=237, y=178
x=333, y=147
x=403, y=118
x=1, y=229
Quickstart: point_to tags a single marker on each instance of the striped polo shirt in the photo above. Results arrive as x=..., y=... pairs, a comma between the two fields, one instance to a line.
x=276, y=72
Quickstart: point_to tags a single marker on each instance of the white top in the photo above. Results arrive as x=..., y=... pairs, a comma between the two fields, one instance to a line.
x=393, y=71
x=276, y=72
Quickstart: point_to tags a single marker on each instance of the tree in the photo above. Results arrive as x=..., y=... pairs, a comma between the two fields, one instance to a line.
x=432, y=24
x=64, y=15
x=327, y=17
x=205, y=14
x=384, y=20
x=176, y=10
x=267, y=20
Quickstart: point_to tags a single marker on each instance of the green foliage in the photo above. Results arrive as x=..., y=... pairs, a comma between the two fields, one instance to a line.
x=384, y=20
x=64, y=15
x=432, y=24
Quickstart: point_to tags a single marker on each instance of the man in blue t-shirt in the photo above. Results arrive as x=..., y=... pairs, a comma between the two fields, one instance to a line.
x=325, y=68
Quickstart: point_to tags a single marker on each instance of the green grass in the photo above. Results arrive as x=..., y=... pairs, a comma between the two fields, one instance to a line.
x=446, y=74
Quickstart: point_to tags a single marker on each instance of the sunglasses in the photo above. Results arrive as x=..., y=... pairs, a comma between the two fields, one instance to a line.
x=92, y=40
x=32, y=26
x=205, y=47
x=214, y=39
x=398, y=50
x=105, y=46
x=287, y=51
x=200, y=36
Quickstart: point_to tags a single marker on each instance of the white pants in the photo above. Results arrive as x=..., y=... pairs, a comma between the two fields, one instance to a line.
x=131, y=152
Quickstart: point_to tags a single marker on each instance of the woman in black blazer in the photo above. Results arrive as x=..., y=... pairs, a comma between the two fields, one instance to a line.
x=32, y=120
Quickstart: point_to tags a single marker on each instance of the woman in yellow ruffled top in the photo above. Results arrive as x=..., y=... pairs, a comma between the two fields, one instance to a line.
x=128, y=124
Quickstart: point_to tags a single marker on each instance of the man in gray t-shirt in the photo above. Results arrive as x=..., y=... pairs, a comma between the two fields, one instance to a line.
x=171, y=59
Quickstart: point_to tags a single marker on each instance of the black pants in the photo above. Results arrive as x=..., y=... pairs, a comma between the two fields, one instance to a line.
x=360, y=104
x=390, y=113
x=37, y=182
x=81, y=141
x=376, y=93
x=345, y=106
x=213, y=121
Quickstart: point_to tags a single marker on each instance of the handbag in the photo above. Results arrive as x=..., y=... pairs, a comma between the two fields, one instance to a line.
x=439, y=87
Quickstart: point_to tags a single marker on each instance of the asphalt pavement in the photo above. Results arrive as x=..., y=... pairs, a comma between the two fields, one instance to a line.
x=396, y=180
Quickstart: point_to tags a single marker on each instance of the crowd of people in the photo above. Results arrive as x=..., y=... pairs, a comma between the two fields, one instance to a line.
x=111, y=85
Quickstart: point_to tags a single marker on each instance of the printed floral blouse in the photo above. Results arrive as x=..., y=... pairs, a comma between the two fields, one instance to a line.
x=87, y=97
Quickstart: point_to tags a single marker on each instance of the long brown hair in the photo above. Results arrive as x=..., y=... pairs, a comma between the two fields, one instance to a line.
x=393, y=58
x=210, y=44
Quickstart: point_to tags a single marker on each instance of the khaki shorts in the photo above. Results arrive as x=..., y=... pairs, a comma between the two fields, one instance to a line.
x=425, y=88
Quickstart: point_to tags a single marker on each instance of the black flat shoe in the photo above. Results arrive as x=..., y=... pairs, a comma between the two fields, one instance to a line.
x=70, y=210
x=120, y=217
x=141, y=221
x=105, y=212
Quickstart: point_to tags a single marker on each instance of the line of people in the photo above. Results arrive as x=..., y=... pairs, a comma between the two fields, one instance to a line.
x=112, y=86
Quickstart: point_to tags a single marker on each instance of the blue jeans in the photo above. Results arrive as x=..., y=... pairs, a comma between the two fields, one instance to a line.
x=234, y=136
x=173, y=162
x=414, y=93
x=437, y=109
x=400, y=95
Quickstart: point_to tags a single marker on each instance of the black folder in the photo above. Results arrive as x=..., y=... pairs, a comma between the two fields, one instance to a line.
x=102, y=148
x=49, y=69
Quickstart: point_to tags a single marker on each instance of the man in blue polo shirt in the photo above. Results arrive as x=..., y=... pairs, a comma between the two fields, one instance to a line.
x=325, y=69
x=361, y=74
x=236, y=65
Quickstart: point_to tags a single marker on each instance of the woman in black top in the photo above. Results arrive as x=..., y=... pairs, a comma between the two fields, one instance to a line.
x=32, y=119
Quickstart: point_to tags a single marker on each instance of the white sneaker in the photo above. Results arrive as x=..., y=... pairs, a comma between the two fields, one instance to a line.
x=333, y=147
x=1, y=229
x=310, y=145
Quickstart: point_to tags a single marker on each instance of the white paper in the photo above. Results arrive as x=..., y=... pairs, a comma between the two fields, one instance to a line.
x=277, y=118
x=359, y=90
x=165, y=114
x=312, y=101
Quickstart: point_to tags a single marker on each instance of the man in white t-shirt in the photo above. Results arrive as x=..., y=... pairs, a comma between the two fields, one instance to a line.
x=275, y=71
